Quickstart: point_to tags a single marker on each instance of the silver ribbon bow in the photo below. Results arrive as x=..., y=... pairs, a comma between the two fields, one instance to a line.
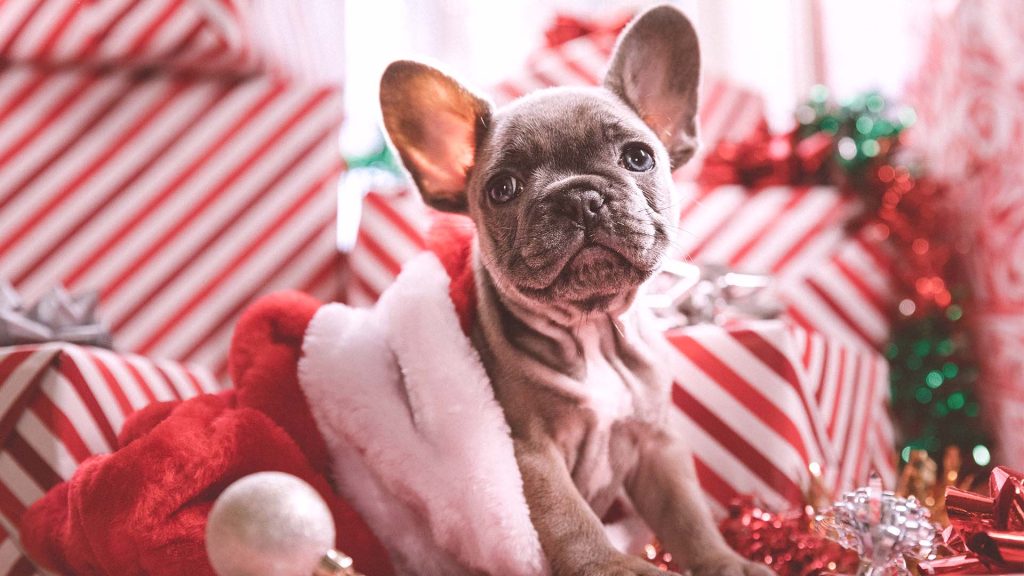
x=57, y=316
x=882, y=528
x=683, y=294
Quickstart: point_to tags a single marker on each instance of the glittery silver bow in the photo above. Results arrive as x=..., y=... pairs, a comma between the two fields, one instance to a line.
x=57, y=316
x=884, y=529
x=683, y=294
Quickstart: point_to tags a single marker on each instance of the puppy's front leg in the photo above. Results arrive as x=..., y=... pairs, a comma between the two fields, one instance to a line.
x=570, y=533
x=664, y=490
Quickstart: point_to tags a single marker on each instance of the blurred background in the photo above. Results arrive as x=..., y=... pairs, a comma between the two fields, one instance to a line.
x=779, y=48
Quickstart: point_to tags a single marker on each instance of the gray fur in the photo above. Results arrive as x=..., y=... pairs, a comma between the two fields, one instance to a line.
x=575, y=367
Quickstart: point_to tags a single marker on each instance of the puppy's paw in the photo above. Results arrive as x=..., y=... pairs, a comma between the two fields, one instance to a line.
x=622, y=565
x=730, y=565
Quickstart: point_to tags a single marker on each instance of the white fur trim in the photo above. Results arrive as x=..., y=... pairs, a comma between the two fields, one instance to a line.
x=420, y=446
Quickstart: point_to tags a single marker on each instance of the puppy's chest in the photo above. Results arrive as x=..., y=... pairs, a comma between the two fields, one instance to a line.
x=618, y=398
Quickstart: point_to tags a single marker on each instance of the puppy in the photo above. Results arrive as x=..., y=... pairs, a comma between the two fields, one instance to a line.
x=570, y=190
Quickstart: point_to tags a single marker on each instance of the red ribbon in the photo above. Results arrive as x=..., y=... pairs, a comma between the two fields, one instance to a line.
x=764, y=159
x=986, y=533
x=566, y=28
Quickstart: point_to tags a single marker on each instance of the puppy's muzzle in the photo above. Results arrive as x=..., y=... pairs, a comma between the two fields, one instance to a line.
x=581, y=206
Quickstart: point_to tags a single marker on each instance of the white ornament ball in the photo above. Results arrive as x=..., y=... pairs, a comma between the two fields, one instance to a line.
x=268, y=524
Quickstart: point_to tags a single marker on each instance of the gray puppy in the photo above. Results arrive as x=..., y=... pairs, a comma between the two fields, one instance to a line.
x=570, y=190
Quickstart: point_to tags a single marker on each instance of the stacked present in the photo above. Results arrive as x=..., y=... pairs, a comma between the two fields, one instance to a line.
x=155, y=154
x=765, y=401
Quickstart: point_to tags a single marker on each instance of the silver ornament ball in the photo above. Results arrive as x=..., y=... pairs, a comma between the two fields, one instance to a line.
x=268, y=524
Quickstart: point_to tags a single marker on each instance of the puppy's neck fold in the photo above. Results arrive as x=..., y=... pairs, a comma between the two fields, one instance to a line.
x=558, y=336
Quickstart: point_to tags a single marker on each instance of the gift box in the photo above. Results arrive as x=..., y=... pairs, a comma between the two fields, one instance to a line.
x=831, y=279
x=62, y=403
x=766, y=402
x=152, y=153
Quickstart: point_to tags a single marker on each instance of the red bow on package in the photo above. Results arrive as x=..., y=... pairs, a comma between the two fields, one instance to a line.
x=567, y=28
x=764, y=159
x=986, y=533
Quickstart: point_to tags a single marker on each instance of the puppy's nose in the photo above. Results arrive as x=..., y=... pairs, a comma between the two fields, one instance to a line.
x=583, y=206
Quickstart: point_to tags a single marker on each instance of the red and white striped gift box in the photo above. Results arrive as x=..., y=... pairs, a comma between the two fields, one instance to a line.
x=178, y=195
x=763, y=400
x=830, y=281
x=60, y=404
x=12, y=561
x=207, y=35
x=392, y=229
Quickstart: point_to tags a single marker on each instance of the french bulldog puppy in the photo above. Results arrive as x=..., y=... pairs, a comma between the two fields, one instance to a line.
x=571, y=193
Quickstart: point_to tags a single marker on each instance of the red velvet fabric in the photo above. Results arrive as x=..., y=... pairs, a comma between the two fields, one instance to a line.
x=143, y=509
x=450, y=237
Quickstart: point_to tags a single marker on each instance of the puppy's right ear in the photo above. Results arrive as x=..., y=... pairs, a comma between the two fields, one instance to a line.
x=435, y=124
x=655, y=69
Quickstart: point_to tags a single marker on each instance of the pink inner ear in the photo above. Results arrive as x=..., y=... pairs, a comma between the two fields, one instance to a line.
x=445, y=153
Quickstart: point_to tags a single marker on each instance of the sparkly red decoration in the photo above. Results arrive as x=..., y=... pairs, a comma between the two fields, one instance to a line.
x=764, y=159
x=909, y=212
x=986, y=533
x=784, y=541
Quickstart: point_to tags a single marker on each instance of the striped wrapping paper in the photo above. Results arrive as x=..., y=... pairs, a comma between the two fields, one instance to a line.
x=762, y=400
x=392, y=229
x=60, y=404
x=180, y=195
x=12, y=561
x=204, y=35
x=830, y=281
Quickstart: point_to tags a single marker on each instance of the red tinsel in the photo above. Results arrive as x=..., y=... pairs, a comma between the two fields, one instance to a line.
x=786, y=542
x=910, y=213
x=898, y=206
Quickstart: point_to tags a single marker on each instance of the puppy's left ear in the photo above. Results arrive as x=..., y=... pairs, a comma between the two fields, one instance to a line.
x=656, y=70
x=435, y=123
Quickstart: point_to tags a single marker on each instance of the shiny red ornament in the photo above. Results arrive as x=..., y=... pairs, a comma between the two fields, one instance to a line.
x=986, y=533
x=784, y=541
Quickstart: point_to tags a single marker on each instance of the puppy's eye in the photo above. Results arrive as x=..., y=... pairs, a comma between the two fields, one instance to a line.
x=503, y=188
x=637, y=158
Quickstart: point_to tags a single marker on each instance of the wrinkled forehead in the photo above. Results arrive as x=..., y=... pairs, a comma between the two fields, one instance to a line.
x=563, y=125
